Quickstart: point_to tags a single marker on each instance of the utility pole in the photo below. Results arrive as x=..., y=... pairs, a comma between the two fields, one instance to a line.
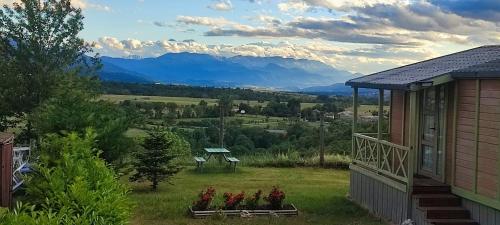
x=221, y=125
x=322, y=139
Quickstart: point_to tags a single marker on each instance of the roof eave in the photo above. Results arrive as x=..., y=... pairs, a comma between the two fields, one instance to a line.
x=482, y=74
x=377, y=86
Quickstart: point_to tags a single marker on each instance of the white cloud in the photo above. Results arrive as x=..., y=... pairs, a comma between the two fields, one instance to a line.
x=204, y=21
x=222, y=5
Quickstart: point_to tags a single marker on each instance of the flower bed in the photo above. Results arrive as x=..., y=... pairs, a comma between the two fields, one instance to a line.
x=233, y=205
x=287, y=210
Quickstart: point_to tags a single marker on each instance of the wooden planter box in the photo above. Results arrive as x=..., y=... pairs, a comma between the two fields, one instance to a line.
x=290, y=211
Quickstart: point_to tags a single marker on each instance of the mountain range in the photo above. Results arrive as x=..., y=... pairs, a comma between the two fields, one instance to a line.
x=238, y=71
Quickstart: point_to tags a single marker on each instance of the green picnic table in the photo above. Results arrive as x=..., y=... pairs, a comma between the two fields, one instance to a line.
x=220, y=153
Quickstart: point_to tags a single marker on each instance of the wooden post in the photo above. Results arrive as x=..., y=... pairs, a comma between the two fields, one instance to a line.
x=454, y=135
x=412, y=156
x=354, y=119
x=476, y=135
x=380, y=123
x=380, y=113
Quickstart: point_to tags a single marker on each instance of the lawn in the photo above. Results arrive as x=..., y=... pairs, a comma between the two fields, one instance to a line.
x=319, y=194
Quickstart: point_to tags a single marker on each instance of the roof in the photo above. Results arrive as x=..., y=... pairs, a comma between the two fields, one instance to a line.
x=477, y=62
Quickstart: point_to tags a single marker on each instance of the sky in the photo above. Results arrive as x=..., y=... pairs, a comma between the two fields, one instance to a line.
x=363, y=36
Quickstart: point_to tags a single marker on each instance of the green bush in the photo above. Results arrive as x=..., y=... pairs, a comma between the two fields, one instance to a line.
x=72, y=185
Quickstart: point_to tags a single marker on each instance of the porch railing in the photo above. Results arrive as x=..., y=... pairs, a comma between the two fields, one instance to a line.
x=381, y=156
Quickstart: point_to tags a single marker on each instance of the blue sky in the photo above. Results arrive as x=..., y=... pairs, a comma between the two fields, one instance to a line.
x=363, y=36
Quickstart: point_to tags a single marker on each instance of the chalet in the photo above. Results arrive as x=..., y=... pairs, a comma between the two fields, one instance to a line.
x=440, y=162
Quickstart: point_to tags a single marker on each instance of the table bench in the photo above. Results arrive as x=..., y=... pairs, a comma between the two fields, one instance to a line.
x=199, y=163
x=232, y=162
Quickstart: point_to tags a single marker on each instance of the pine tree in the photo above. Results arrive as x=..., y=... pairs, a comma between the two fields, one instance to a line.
x=155, y=162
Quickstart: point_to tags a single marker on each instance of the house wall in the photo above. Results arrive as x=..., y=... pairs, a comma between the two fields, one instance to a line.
x=378, y=197
x=477, y=136
x=482, y=214
x=397, y=117
x=476, y=148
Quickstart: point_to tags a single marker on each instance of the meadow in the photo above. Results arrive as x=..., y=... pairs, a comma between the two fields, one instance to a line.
x=183, y=101
x=319, y=194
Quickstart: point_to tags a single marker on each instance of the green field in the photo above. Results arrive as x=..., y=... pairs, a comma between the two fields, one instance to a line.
x=319, y=194
x=183, y=100
x=366, y=110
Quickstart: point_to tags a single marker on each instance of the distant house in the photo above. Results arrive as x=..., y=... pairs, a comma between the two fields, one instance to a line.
x=441, y=164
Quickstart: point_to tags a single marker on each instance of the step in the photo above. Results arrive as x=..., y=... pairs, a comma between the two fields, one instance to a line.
x=451, y=222
x=442, y=189
x=433, y=200
x=445, y=212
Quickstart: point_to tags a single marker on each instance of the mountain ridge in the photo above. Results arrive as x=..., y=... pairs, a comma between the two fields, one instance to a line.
x=237, y=71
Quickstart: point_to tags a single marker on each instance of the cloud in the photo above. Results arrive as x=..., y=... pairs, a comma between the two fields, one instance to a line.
x=204, y=21
x=365, y=59
x=221, y=5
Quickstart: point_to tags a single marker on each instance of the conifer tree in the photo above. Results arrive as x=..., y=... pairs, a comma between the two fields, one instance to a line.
x=156, y=162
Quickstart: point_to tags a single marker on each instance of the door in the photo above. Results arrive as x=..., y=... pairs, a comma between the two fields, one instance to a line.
x=432, y=127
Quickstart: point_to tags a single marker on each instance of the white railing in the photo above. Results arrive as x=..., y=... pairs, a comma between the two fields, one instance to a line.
x=19, y=162
x=383, y=157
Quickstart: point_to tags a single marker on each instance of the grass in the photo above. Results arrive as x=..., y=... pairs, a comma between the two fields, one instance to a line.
x=319, y=194
x=182, y=101
x=366, y=110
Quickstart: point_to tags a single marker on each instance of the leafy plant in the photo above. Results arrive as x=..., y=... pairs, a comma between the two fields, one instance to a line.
x=232, y=201
x=275, y=198
x=252, y=202
x=205, y=198
x=72, y=185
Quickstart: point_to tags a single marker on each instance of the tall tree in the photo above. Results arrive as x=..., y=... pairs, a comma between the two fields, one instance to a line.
x=156, y=162
x=39, y=43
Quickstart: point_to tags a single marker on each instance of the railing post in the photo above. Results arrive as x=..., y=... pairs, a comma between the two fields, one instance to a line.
x=412, y=156
x=354, y=120
x=380, y=123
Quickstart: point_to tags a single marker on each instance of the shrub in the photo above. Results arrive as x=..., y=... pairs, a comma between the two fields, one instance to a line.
x=275, y=198
x=233, y=201
x=205, y=198
x=72, y=185
x=253, y=201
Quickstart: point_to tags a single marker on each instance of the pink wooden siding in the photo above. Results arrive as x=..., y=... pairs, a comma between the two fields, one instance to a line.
x=397, y=116
x=464, y=155
x=487, y=140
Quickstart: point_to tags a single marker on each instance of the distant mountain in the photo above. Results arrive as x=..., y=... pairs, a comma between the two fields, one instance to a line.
x=337, y=89
x=208, y=70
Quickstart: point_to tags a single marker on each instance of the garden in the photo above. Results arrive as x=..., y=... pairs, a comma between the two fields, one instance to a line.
x=320, y=196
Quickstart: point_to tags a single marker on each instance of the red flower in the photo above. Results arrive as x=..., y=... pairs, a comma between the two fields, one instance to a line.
x=205, y=199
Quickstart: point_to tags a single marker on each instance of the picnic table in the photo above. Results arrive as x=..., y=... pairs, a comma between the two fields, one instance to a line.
x=220, y=153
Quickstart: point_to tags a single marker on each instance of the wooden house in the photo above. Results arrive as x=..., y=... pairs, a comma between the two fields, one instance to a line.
x=441, y=161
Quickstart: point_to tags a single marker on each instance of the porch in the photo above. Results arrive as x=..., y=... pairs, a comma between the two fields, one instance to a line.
x=374, y=154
